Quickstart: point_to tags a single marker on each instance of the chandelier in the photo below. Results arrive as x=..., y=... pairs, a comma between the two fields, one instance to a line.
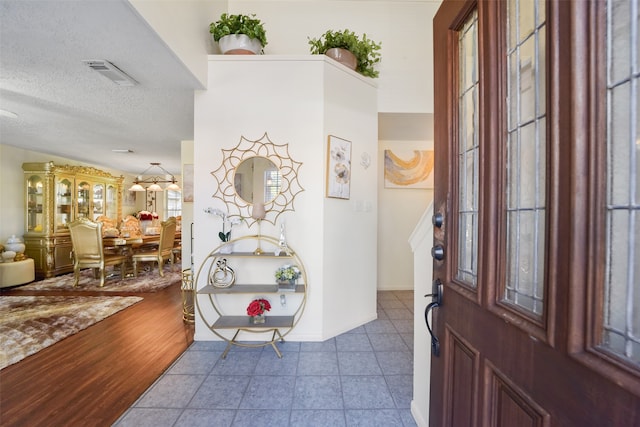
x=139, y=183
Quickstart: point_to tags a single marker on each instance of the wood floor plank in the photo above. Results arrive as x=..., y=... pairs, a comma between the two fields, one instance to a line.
x=94, y=376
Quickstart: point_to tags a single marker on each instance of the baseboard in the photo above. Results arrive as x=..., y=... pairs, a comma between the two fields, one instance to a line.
x=418, y=417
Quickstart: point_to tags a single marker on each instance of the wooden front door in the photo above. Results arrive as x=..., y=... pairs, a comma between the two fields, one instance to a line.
x=537, y=204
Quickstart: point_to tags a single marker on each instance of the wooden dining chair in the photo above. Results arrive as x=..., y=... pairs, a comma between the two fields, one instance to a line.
x=164, y=250
x=88, y=250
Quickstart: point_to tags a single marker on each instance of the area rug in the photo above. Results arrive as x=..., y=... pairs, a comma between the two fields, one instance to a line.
x=30, y=323
x=147, y=281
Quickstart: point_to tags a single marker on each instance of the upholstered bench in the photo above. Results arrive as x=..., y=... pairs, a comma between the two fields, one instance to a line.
x=17, y=272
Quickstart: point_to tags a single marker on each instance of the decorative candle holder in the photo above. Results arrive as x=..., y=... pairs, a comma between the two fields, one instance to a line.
x=258, y=213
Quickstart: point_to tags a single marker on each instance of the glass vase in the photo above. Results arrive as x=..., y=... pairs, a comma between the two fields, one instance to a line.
x=144, y=224
x=287, y=285
x=257, y=320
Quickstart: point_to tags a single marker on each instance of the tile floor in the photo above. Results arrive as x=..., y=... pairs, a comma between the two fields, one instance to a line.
x=361, y=378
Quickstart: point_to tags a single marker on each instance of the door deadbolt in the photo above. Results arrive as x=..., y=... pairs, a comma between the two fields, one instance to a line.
x=437, y=220
x=437, y=252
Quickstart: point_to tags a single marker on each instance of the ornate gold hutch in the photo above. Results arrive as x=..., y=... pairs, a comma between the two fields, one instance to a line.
x=56, y=195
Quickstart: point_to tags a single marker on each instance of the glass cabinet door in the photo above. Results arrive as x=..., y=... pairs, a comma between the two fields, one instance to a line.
x=84, y=199
x=98, y=200
x=35, y=219
x=111, y=204
x=64, y=202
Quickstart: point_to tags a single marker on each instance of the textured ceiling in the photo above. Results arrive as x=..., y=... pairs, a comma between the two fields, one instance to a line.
x=65, y=108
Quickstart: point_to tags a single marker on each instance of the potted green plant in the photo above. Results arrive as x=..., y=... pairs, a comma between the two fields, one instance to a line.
x=287, y=273
x=244, y=29
x=286, y=277
x=365, y=50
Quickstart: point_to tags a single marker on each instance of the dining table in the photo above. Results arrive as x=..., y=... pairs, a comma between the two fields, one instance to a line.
x=124, y=246
x=128, y=245
x=135, y=241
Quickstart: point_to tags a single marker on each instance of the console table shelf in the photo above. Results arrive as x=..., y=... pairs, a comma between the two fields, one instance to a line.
x=249, y=289
x=239, y=322
x=252, y=255
x=224, y=300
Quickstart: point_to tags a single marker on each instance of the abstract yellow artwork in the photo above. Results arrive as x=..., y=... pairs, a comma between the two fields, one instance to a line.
x=408, y=168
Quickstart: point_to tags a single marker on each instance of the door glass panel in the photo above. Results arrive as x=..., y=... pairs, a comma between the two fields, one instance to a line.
x=468, y=153
x=64, y=203
x=111, y=202
x=621, y=320
x=527, y=76
x=619, y=26
x=98, y=200
x=541, y=77
x=35, y=194
x=525, y=154
x=526, y=13
x=84, y=193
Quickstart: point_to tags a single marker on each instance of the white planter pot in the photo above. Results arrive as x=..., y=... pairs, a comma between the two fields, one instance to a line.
x=239, y=44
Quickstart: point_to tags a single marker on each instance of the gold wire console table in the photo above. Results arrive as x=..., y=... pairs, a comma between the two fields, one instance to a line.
x=226, y=298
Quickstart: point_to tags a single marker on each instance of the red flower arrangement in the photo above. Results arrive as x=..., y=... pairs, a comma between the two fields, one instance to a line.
x=147, y=216
x=258, y=307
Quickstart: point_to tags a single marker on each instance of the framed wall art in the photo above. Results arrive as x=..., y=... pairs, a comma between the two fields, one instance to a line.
x=187, y=183
x=408, y=168
x=338, y=167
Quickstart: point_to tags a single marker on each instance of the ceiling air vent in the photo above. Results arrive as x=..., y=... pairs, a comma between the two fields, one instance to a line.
x=110, y=71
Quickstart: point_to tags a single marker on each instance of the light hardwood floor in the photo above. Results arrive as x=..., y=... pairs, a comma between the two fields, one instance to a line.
x=94, y=376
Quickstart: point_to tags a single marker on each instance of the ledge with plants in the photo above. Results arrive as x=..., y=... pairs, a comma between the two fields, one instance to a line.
x=365, y=50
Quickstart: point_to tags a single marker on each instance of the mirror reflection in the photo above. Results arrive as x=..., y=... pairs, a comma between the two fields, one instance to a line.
x=257, y=180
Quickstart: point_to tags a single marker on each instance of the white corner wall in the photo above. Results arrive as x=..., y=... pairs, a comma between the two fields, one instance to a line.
x=299, y=101
x=402, y=27
x=421, y=241
x=350, y=226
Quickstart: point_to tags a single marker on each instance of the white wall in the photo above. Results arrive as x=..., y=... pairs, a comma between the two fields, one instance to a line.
x=291, y=99
x=398, y=213
x=350, y=226
x=403, y=27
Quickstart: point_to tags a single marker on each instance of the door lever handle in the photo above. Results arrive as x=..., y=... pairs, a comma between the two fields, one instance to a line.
x=435, y=343
x=436, y=301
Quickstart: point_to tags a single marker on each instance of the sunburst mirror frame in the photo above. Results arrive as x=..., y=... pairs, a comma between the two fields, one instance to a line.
x=276, y=153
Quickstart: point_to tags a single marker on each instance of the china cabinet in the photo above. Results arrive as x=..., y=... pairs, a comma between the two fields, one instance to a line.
x=56, y=195
x=229, y=280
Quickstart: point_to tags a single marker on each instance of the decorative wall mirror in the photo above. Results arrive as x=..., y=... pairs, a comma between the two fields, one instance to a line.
x=257, y=172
